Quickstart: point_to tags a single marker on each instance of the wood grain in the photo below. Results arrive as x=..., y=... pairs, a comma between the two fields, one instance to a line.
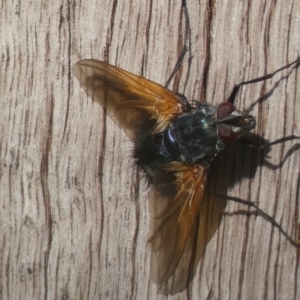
x=74, y=217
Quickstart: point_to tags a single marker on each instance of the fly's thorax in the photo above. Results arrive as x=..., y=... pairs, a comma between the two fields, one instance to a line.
x=198, y=136
x=193, y=137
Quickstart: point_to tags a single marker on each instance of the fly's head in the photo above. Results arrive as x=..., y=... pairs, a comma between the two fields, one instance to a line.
x=232, y=124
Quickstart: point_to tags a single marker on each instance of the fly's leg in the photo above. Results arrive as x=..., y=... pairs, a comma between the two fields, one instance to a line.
x=186, y=47
x=266, y=148
x=263, y=78
x=268, y=145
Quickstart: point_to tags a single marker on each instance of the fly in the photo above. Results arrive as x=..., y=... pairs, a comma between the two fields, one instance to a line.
x=175, y=143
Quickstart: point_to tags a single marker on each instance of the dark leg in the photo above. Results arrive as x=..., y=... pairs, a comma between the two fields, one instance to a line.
x=282, y=140
x=267, y=145
x=266, y=148
x=187, y=44
x=268, y=76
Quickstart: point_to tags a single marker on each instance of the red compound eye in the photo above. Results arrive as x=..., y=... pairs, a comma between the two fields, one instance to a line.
x=227, y=135
x=225, y=109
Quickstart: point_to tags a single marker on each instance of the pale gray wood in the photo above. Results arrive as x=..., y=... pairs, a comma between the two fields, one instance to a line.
x=74, y=217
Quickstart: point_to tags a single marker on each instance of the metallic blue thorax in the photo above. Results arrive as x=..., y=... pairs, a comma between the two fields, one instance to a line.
x=193, y=137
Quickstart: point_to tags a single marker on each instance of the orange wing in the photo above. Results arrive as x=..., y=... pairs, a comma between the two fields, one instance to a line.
x=139, y=105
x=143, y=107
x=176, y=196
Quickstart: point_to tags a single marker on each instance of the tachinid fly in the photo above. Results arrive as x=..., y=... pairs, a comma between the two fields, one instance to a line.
x=175, y=143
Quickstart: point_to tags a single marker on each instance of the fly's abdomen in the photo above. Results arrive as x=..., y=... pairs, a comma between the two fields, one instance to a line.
x=150, y=153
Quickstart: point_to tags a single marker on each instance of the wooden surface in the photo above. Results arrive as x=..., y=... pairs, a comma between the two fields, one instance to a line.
x=74, y=217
